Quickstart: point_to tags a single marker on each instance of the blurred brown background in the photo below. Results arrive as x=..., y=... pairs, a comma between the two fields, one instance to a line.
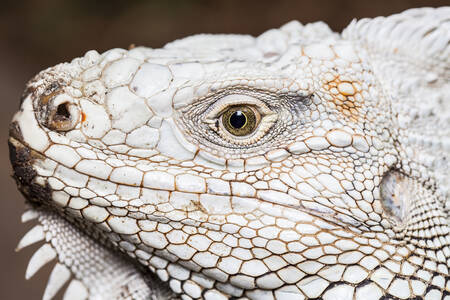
x=40, y=33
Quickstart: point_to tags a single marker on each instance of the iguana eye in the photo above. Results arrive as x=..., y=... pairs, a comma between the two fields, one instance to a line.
x=240, y=120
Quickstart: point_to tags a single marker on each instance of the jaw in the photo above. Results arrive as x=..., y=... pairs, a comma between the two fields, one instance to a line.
x=159, y=259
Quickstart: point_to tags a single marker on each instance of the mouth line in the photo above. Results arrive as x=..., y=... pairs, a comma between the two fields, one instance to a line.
x=22, y=157
x=24, y=173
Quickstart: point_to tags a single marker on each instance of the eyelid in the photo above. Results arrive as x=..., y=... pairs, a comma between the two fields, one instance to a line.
x=236, y=99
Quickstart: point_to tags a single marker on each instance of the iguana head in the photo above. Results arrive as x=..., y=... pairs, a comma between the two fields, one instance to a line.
x=237, y=166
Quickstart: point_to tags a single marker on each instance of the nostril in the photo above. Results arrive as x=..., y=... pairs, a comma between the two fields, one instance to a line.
x=62, y=113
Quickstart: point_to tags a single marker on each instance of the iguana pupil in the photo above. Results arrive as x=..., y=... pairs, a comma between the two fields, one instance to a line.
x=239, y=121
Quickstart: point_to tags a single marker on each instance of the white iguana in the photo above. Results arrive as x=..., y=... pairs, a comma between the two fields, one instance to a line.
x=300, y=164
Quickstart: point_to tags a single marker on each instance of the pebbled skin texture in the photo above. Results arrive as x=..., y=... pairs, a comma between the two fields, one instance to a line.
x=339, y=192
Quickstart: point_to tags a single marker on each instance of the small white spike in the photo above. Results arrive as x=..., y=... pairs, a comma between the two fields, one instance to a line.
x=29, y=215
x=35, y=235
x=76, y=291
x=42, y=256
x=59, y=276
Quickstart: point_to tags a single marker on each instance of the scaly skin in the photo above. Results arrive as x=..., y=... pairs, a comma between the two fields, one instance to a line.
x=336, y=190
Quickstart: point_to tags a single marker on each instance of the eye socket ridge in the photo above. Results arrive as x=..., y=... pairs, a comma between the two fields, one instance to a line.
x=240, y=119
